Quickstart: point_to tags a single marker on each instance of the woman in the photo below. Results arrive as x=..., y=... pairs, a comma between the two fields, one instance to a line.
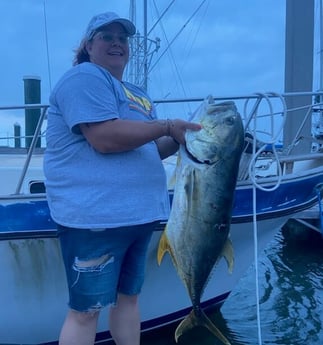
x=105, y=181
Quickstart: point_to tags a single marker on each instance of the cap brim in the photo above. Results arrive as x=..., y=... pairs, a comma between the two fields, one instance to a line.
x=127, y=24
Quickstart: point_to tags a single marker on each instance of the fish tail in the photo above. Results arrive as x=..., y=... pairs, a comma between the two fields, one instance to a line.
x=198, y=318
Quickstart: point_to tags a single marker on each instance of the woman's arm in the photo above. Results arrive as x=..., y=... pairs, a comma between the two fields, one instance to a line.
x=122, y=135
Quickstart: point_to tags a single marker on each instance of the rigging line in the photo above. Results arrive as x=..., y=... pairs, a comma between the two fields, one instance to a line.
x=200, y=21
x=140, y=44
x=197, y=31
x=172, y=56
x=180, y=31
x=47, y=49
x=161, y=16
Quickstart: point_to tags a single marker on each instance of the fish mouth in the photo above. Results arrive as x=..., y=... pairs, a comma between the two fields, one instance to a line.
x=195, y=159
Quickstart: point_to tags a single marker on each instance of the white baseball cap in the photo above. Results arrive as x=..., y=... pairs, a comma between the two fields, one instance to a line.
x=107, y=18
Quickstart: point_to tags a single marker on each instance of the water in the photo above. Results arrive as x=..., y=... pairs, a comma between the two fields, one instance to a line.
x=290, y=278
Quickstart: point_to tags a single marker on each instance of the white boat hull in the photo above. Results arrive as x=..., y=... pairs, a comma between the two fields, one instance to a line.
x=33, y=295
x=35, y=285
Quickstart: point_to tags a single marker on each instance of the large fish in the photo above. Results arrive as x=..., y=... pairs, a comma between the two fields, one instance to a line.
x=197, y=231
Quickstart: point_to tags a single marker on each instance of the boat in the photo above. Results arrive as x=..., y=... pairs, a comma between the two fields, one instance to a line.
x=276, y=182
x=269, y=192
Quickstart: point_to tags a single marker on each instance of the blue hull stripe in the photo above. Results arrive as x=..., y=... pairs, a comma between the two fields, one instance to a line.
x=32, y=218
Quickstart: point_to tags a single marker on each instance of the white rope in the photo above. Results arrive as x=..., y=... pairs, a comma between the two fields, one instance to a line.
x=272, y=140
x=255, y=239
x=255, y=154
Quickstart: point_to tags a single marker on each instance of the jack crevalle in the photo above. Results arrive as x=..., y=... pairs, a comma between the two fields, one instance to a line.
x=197, y=232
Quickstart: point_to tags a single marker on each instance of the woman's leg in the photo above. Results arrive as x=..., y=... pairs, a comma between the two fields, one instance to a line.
x=79, y=328
x=88, y=268
x=124, y=320
x=125, y=316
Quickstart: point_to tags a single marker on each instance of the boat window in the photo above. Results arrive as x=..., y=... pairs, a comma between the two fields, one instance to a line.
x=36, y=187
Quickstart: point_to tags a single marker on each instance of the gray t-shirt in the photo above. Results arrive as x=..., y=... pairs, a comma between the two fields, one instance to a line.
x=88, y=189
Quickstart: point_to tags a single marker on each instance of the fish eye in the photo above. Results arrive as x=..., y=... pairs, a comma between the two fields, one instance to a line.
x=229, y=120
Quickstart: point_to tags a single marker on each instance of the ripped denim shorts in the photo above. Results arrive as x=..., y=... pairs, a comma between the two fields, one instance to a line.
x=101, y=263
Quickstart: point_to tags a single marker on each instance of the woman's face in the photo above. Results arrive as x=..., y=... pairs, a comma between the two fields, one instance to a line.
x=109, y=48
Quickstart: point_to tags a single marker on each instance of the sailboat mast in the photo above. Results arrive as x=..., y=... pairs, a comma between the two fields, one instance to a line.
x=321, y=45
x=142, y=49
x=145, y=78
x=298, y=69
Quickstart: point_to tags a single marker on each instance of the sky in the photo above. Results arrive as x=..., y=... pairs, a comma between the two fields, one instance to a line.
x=226, y=47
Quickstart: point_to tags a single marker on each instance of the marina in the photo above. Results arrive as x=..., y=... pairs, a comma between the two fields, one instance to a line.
x=274, y=294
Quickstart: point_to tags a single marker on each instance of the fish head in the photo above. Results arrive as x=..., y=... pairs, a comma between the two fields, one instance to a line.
x=222, y=132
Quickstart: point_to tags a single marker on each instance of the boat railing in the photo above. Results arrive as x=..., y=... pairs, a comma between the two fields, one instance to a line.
x=35, y=137
x=254, y=115
x=8, y=138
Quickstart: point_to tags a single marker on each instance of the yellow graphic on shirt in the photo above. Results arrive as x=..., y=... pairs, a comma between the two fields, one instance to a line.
x=141, y=104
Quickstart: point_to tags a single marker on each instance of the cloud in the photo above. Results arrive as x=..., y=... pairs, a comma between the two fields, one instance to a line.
x=227, y=47
x=230, y=48
x=222, y=37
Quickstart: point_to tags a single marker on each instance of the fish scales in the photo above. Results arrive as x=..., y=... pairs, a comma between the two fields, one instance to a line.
x=197, y=231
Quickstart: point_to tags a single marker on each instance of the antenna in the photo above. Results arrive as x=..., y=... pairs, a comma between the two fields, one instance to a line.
x=47, y=49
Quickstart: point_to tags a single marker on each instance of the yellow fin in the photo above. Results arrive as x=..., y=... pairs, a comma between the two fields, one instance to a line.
x=163, y=247
x=228, y=254
x=198, y=318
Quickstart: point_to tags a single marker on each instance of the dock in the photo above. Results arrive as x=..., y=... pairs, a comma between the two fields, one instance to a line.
x=311, y=218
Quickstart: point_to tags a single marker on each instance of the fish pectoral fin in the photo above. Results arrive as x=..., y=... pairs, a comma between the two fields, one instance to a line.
x=198, y=318
x=163, y=247
x=172, y=179
x=228, y=254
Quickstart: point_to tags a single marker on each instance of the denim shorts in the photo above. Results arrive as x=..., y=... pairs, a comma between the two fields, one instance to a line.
x=101, y=263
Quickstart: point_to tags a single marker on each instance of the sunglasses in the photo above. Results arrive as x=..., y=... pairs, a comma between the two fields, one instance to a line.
x=109, y=38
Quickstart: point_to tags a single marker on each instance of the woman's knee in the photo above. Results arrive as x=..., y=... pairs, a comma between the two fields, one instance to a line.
x=84, y=318
x=130, y=300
